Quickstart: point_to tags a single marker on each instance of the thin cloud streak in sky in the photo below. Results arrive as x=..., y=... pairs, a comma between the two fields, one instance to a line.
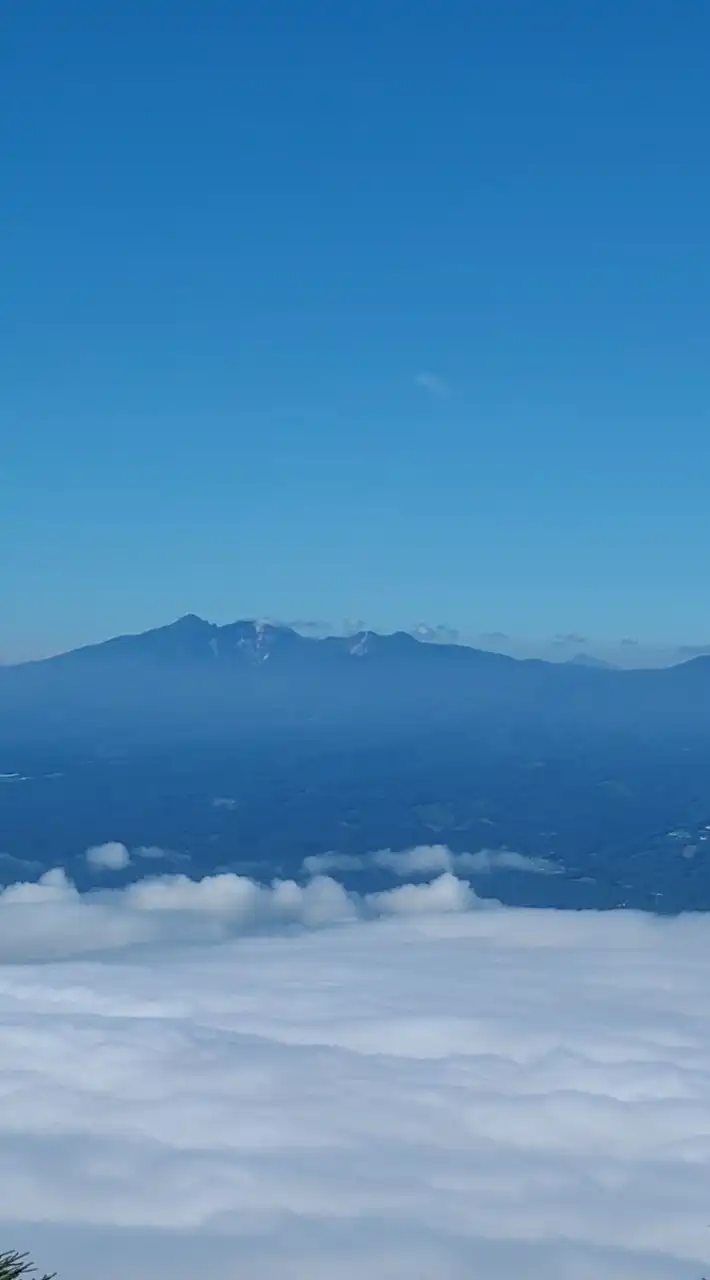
x=486, y=1092
x=432, y=383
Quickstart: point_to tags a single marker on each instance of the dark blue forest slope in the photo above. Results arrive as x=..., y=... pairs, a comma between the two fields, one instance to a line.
x=252, y=747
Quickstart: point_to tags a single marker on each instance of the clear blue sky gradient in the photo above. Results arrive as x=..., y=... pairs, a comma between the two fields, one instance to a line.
x=391, y=309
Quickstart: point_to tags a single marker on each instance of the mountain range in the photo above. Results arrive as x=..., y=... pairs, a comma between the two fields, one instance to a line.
x=193, y=676
x=252, y=747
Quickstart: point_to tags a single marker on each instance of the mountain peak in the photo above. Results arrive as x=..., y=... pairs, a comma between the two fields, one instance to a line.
x=190, y=620
x=589, y=660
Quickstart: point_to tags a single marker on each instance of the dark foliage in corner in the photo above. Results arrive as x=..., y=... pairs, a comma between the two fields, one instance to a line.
x=17, y=1266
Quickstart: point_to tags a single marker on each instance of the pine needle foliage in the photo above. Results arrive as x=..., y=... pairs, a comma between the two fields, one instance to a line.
x=18, y=1266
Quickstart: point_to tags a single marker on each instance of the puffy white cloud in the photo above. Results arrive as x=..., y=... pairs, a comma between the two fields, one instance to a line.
x=446, y=893
x=241, y=901
x=418, y=861
x=53, y=886
x=491, y=1092
x=486, y=860
x=51, y=919
x=167, y=908
x=111, y=856
x=225, y=894
x=431, y=859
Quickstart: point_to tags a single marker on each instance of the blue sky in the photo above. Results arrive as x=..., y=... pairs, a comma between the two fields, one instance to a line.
x=389, y=310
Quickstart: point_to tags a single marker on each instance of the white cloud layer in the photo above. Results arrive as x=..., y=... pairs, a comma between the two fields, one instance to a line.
x=50, y=920
x=439, y=1093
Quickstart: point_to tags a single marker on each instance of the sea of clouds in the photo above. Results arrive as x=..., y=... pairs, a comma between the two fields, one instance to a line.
x=222, y=1079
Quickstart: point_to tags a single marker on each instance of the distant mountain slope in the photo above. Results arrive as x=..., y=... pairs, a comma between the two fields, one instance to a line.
x=192, y=640
x=589, y=660
x=193, y=676
x=252, y=745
